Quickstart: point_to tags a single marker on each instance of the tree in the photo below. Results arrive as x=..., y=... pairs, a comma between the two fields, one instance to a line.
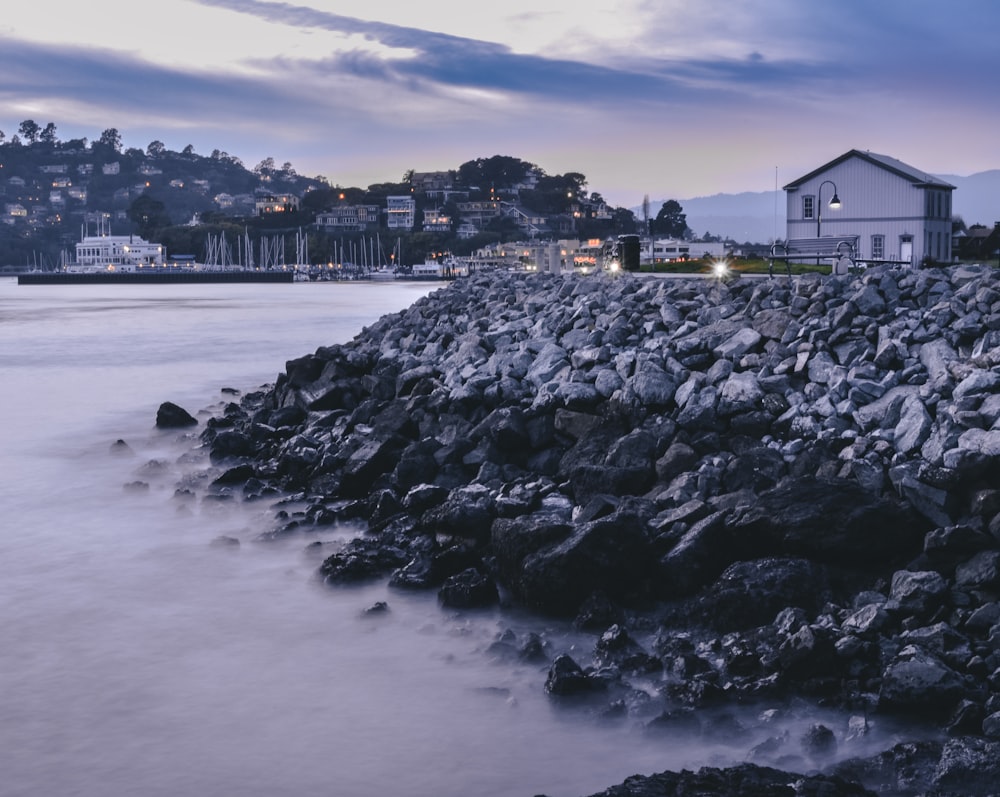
x=264, y=168
x=623, y=221
x=155, y=149
x=29, y=130
x=188, y=150
x=148, y=214
x=671, y=220
x=111, y=139
x=48, y=135
x=500, y=171
x=2, y=136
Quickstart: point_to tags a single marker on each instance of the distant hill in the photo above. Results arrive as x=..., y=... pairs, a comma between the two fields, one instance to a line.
x=750, y=216
x=754, y=216
x=977, y=197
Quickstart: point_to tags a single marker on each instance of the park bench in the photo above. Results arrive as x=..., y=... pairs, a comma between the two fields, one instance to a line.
x=841, y=250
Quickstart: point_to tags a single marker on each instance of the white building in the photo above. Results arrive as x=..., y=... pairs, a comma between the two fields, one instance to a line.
x=401, y=212
x=670, y=249
x=900, y=213
x=116, y=253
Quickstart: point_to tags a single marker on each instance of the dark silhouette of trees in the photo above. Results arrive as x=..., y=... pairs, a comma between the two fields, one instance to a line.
x=148, y=214
x=671, y=220
x=111, y=139
x=29, y=130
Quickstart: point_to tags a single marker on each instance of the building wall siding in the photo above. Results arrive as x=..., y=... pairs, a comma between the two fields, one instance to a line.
x=875, y=201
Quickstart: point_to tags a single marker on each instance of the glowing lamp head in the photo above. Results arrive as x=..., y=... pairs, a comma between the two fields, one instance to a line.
x=720, y=269
x=835, y=202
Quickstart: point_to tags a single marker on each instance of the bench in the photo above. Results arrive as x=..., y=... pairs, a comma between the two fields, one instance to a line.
x=836, y=248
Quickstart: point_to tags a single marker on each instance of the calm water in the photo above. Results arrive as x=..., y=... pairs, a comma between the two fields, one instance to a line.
x=137, y=659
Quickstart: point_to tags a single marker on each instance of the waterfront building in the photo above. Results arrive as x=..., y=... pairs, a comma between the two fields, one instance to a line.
x=900, y=214
x=117, y=253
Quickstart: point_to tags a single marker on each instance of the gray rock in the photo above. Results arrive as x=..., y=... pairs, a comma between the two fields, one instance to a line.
x=920, y=682
x=982, y=571
x=918, y=592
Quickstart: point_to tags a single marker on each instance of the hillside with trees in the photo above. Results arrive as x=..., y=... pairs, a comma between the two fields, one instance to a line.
x=52, y=190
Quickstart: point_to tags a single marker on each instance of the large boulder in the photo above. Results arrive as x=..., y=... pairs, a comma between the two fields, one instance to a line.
x=607, y=555
x=752, y=593
x=172, y=416
x=917, y=682
x=830, y=520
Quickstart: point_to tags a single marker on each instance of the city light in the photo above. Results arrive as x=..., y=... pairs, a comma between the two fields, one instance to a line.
x=720, y=269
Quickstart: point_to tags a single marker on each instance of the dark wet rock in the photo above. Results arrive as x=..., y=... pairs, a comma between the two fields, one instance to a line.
x=906, y=769
x=469, y=589
x=377, y=608
x=830, y=521
x=121, y=448
x=819, y=742
x=919, y=592
x=361, y=560
x=239, y=474
x=616, y=648
x=968, y=719
x=917, y=681
x=742, y=780
x=566, y=678
x=513, y=540
x=231, y=444
x=982, y=571
x=467, y=512
x=752, y=593
x=697, y=558
x=968, y=767
x=605, y=555
x=172, y=416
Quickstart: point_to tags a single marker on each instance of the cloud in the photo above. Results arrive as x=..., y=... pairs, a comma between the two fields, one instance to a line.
x=424, y=59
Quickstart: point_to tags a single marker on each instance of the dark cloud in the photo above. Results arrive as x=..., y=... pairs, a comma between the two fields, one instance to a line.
x=110, y=79
x=469, y=63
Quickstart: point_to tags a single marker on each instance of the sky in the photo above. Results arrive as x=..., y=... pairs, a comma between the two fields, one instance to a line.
x=666, y=98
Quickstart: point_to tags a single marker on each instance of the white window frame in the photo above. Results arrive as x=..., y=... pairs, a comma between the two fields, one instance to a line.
x=878, y=247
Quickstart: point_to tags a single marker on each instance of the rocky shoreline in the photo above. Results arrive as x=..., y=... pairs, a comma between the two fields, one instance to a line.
x=752, y=492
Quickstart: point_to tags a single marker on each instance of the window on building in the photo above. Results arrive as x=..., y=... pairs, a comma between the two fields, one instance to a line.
x=878, y=247
x=808, y=207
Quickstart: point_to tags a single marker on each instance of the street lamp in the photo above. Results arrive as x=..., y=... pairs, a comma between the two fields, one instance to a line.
x=834, y=203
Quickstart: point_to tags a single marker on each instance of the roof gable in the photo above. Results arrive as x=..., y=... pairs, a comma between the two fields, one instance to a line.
x=897, y=167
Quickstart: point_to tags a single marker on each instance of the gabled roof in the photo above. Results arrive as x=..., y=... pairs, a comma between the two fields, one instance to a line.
x=897, y=167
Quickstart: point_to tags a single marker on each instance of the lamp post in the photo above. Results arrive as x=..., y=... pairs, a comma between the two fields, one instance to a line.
x=834, y=203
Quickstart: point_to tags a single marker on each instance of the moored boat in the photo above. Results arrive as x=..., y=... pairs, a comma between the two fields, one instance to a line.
x=129, y=259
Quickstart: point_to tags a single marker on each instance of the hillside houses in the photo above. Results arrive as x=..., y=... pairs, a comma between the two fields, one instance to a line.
x=897, y=213
x=349, y=218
